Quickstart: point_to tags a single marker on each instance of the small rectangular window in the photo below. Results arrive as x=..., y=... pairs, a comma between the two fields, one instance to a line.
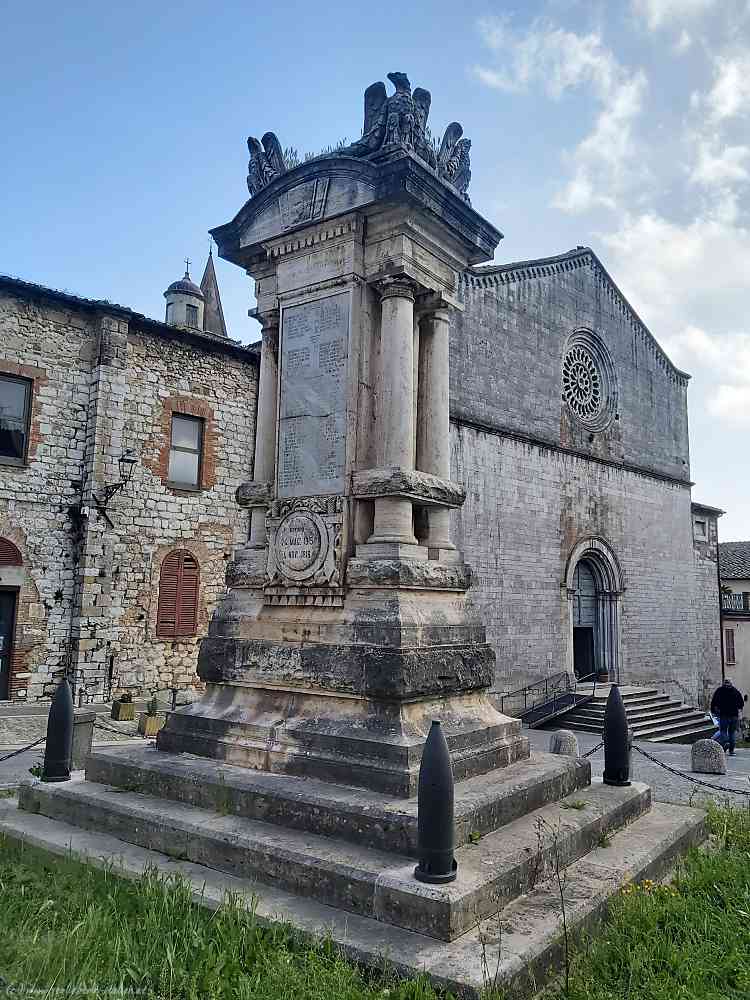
x=185, y=451
x=191, y=315
x=15, y=407
x=170, y=307
x=700, y=529
x=729, y=644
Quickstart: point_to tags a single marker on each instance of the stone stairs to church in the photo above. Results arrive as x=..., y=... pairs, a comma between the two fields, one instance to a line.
x=338, y=859
x=652, y=716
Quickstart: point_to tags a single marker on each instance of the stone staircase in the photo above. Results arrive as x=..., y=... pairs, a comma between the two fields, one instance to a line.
x=652, y=716
x=338, y=859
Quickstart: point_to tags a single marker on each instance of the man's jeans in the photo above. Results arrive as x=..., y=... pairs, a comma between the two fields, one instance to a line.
x=727, y=732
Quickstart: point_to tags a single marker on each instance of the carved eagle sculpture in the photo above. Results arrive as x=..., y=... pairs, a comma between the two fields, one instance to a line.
x=398, y=120
x=266, y=162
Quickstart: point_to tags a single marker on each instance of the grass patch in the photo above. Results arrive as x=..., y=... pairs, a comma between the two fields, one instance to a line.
x=573, y=804
x=689, y=940
x=65, y=927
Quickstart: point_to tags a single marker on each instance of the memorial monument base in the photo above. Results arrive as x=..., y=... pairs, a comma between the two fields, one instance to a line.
x=337, y=862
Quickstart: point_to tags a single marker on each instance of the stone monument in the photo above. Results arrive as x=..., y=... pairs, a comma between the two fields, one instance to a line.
x=346, y=627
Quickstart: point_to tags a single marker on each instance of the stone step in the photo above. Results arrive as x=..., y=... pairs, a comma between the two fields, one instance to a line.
x=664, y=722
x=500, y=867
x=675, y=731
x=688, y=736
x=649, y=721
x=525, y=949
x=645, y=711
x=482, y=803
x=633, y=704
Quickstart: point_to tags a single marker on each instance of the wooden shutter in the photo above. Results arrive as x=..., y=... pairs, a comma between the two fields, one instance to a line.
x=9, y=554
x=179, y=583
x=729, y=635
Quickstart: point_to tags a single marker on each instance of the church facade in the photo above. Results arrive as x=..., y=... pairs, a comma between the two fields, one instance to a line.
x=570, y=434
x=568, y=430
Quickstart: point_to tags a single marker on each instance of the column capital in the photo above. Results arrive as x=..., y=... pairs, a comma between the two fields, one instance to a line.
x=433, y=304
x=397, y=287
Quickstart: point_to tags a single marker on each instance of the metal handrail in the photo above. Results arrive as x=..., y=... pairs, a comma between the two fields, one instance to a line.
x=548, y=689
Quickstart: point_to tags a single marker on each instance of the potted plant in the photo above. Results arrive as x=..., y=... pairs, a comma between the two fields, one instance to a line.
x=149, y=722
x=123, y=709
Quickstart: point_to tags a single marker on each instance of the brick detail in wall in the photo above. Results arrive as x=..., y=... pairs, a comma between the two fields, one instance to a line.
x=38, y=378
x=156, y=452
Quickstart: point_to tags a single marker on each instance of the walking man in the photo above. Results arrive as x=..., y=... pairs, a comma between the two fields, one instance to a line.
x=726, y=705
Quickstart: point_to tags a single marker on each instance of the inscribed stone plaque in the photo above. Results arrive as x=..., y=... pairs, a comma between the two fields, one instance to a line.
x=312, y=412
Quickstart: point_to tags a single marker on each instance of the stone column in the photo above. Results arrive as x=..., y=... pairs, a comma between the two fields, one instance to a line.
x=433, y=429
x=264, y=466
x=395, y=406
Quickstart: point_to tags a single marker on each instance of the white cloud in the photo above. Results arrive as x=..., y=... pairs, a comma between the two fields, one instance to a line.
x=730, y=94
x=731, y=405
x=684, y=42
x=718, y=167
x=555, y=61
x=660, y=12
x=689, y=284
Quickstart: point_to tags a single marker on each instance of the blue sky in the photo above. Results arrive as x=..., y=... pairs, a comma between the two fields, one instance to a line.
x=622, y=125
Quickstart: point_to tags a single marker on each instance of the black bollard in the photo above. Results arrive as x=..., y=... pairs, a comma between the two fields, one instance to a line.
x=616, y=740
x=58, y=749
x=435, y=812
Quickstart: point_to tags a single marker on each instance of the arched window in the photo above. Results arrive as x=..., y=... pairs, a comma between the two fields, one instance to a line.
x=177, y=615
x=9, y=554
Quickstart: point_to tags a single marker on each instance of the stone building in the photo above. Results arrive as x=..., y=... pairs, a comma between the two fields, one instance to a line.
x=735, y=611
x=116, y=583
x=570, y=434
x=568, y=431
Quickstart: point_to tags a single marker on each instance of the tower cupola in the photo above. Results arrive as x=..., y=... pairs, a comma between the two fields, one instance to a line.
x=185, y=302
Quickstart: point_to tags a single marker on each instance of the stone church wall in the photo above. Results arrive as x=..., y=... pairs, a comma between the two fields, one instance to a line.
x=106, y=380
x=539, y=480
x=506, y=356
x=525, y=510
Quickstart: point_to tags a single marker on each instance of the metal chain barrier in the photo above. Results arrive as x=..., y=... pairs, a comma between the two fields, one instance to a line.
x=689, y=777
x=23, y=749
x=592, y=750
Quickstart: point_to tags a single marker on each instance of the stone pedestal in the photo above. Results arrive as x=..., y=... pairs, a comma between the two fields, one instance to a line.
x=343, y=634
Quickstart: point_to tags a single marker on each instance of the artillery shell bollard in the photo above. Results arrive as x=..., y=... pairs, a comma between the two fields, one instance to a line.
x=58, y=749
x=616, y=740
x=435, y=812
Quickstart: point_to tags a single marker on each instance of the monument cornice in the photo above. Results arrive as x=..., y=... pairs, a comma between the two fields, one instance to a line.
x=395, y=177
x=405, y=484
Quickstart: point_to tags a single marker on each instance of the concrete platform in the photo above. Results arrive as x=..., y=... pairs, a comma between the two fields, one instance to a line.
x=524, y=935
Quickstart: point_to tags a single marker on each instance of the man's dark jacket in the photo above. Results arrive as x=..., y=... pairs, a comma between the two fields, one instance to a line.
x=727, y=702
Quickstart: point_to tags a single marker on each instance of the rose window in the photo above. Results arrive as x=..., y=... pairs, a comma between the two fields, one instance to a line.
x=582, y=383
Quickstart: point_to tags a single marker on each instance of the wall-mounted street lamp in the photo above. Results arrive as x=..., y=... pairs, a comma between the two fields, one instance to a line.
x=125, y=463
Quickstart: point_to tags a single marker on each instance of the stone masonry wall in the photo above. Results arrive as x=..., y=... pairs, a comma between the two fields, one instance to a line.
x=525, y=510
x=88, y=590
x=506, y=357
x=53, y=345
x=165, y=376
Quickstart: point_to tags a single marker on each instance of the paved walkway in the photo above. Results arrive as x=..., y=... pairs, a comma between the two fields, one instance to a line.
x=667, y=787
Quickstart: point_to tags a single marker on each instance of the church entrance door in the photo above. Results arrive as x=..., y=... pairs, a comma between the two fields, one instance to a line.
x=585, y=621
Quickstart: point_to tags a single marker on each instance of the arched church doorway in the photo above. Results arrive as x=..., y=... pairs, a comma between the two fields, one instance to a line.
x=584, y=621
x=594, y=585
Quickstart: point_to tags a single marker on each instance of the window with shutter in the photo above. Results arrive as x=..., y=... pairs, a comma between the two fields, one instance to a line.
x=729, y=644
x=177, y=615
x=9, y=554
